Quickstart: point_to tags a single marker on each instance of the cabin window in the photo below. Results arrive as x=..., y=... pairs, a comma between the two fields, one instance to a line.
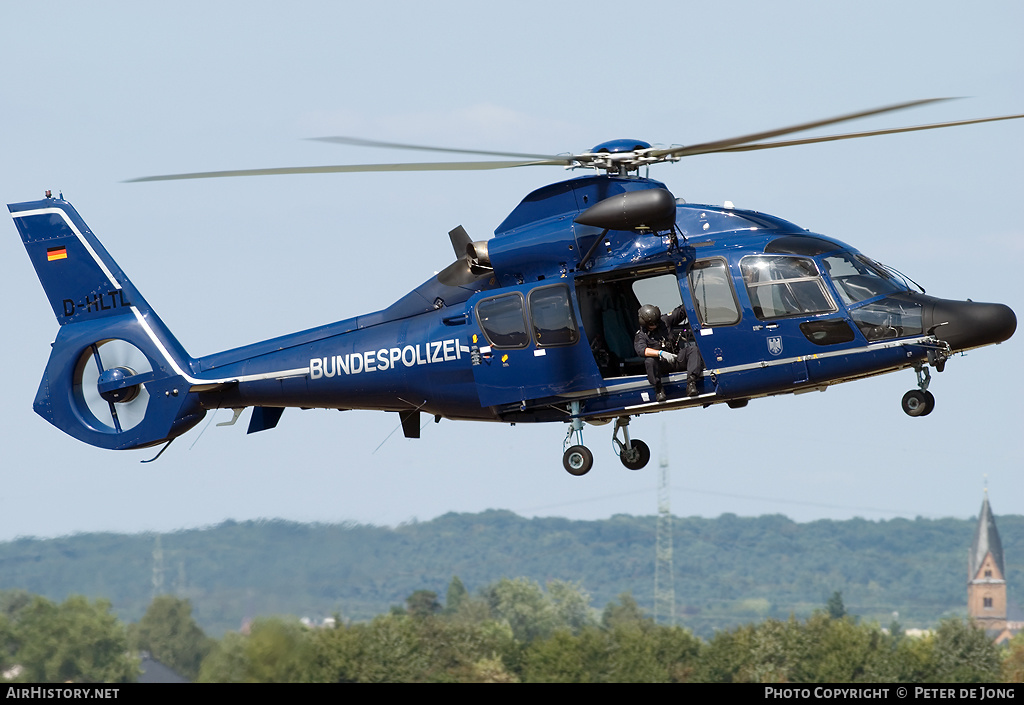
x=713, y=295
x=857, y=279
x=503, y=321
x=661, y=290
x=780, y=286
x=552, y=317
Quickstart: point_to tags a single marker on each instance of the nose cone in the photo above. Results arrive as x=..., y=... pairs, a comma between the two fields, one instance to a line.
x=969, y=324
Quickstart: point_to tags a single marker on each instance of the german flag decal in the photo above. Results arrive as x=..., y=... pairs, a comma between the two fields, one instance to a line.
x=56, y=253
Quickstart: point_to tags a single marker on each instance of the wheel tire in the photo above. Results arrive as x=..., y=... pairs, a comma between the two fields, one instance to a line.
x=929, y=403
x=578, y=460
x=915, y=403
x=638, y=458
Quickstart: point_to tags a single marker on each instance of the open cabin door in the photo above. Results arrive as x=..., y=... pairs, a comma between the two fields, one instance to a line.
x=609, y=303
x=531, y=345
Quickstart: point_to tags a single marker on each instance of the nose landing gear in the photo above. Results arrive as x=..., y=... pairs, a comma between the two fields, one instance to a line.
x=919, y=402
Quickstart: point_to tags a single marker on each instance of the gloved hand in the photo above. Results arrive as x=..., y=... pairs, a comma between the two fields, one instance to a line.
x=668, y=357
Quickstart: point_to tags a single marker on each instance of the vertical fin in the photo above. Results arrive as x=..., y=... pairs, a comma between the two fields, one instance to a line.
x=116, y=378
x=410, y=423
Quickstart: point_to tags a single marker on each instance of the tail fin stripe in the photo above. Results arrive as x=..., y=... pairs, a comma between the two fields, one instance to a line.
x=78, y=234
x=141, y=319
x=161, y=347
x=151, y=334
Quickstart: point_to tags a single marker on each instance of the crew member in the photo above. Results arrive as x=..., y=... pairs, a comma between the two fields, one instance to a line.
x=661, y=341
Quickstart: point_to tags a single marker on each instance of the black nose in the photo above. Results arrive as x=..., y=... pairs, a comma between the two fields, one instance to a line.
x=968, y=324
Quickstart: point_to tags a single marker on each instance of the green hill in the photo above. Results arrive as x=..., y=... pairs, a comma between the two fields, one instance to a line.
x=728, y=571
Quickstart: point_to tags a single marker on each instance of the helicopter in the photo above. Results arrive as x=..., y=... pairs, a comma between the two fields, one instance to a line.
x=536, y=324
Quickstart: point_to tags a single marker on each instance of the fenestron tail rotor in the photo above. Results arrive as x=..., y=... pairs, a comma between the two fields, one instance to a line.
x=106, y=398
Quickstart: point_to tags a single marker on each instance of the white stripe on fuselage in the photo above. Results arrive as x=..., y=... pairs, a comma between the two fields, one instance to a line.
x=639, y=381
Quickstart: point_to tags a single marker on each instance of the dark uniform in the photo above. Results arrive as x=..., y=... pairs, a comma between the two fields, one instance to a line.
x=670, y=335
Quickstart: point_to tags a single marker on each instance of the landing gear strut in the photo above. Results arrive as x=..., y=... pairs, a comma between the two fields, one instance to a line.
x=634, y=454
x=919, y=402
x=577, y=459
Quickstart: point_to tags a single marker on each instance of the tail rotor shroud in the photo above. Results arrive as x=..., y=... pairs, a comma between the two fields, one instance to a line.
x=102, y=399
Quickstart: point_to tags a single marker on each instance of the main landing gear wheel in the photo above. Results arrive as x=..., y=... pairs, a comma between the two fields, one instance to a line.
x=918, y=402
x=636, y=457
x=634, y=454
x=578, y=460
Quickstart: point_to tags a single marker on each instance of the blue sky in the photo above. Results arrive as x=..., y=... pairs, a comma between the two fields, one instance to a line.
x=102, y=92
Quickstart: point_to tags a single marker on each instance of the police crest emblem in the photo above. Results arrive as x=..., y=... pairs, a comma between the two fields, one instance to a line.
x=775, y=345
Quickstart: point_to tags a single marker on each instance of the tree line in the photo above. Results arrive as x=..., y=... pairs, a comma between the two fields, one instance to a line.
x=764, y=567
x=512, y=630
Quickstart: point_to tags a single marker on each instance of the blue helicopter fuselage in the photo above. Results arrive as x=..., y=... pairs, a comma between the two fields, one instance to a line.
x=535, y=324
x=432, y=352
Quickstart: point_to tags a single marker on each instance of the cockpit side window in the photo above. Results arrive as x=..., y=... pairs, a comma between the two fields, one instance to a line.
x=713, y=296
x=781, y=286
x=857, y=279
x=503, y=321
x=888, y=318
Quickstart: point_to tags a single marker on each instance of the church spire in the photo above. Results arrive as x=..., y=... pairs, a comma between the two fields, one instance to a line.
x=986, y=574
x=986, y=541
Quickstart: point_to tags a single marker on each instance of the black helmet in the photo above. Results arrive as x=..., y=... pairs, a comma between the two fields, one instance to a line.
x=649, y=315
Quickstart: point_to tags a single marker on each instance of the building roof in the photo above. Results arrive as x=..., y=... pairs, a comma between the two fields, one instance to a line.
x=986, y=540
x=152, y=671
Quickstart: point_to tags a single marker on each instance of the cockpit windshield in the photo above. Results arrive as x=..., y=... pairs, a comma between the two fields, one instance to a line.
x=857, y=278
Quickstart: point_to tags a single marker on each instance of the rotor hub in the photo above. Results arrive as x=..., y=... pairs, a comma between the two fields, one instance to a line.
x=620, y=146
x=620, y=157
x=109, y=387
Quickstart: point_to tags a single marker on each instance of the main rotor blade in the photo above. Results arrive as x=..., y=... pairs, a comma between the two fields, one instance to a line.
x=855, y=135
x=734, y=144
x=359, y=142
x=415, y=166
x=723, y=145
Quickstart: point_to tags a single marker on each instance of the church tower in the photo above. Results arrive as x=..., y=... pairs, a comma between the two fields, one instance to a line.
x=986, y=575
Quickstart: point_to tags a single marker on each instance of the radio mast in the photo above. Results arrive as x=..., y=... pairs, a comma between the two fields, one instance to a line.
x=664, y=583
